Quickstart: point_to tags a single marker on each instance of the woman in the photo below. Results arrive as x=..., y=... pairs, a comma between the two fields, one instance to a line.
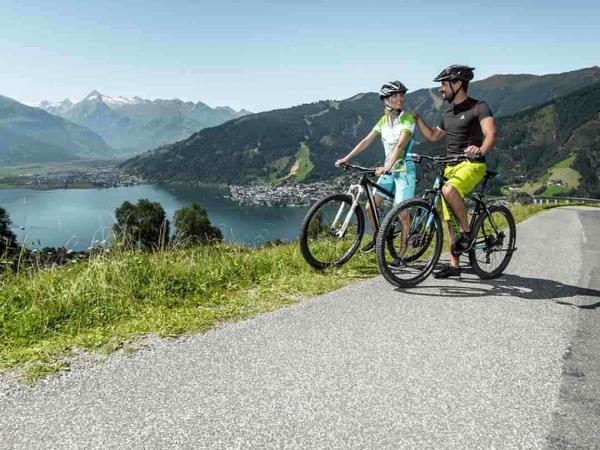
x=396, y=129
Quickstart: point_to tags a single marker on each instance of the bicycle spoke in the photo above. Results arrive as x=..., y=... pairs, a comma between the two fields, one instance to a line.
x=494, y=242
x=412, y=243
x=331, y=232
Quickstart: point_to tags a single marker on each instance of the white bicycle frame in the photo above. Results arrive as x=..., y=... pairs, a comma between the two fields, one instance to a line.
x=355, y=191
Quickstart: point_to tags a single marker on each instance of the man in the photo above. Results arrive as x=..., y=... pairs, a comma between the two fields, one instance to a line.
x=470, y=130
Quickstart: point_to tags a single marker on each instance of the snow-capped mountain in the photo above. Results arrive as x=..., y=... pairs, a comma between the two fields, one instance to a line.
x=114, y=101
x=134, y=124
x=30, y=135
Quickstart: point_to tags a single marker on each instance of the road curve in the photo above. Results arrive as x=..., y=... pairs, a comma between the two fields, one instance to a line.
x=507, y=363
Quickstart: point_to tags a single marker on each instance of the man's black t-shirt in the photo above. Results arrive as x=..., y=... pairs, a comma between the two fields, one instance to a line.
x=462, y=127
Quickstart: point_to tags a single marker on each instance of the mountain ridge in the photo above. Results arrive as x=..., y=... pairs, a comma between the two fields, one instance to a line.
x=29, y=134
x=265, y=146
x=134, y=124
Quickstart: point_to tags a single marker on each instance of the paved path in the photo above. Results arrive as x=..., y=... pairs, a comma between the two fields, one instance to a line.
x=507, y=363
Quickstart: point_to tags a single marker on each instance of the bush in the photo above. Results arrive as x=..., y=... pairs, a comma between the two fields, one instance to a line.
x=193, y=226
x=143, y=225
x=8, y=240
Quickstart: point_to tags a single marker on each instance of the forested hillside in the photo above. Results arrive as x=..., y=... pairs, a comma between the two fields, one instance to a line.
x=302, y=142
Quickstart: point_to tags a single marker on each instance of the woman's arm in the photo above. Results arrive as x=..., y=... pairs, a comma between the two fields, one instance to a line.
x=368, y=140
x=431, y=134
x=397, y=152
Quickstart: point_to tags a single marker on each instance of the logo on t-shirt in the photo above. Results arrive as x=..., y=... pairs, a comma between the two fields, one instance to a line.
x=462, y=117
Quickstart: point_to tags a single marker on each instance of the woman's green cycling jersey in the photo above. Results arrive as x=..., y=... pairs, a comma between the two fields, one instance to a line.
x=390, y=135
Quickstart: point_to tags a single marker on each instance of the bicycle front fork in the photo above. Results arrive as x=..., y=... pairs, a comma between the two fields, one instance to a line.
x=355, y=191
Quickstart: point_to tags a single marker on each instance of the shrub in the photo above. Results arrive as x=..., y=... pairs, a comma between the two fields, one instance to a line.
x=143, y=225
x=8, y=240
x=193, y=226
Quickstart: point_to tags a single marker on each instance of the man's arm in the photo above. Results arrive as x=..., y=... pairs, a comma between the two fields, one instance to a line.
x=431, y=134
x=488, y=128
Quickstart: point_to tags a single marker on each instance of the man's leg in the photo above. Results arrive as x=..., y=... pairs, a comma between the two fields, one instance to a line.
x=461, y=243
x=451, y=239
x=453, y=270
x=457, y=205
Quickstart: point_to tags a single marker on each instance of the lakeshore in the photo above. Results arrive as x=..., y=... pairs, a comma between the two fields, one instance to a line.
x=287, y=194
x=104, y=176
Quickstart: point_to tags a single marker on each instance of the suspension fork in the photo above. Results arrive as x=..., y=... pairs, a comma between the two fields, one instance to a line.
x=434, y=203
x=355, y=191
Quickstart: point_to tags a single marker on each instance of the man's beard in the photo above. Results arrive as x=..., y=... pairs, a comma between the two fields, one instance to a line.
x=448, y=97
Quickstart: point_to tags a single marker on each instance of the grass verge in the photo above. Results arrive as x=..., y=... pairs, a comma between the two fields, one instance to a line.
x=105, y=302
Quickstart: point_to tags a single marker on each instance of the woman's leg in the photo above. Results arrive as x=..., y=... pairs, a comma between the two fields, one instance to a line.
x=405, y=190
x=371, y=215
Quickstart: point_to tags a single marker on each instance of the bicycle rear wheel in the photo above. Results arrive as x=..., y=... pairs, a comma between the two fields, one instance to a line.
x=495, y=236
x=331, y=231
x=417, y=243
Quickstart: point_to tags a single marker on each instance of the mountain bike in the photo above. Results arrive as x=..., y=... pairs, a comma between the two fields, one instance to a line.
x=418, y=242
x=333, y=227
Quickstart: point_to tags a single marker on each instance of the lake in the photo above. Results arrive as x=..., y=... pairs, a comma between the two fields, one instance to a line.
x=76, y=218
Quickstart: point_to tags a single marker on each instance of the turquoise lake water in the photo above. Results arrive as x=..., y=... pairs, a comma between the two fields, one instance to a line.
x=77, y=218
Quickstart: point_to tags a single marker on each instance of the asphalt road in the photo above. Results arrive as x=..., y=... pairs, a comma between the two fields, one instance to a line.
x=461, y=364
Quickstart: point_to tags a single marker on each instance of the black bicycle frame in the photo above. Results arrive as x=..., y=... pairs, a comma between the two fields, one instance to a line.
x=477, y=196
x=367, y=184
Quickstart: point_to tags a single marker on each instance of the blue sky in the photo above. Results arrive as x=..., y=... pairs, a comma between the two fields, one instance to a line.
x=263, y=55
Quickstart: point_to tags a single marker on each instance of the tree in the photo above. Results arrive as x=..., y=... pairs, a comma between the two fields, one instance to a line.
x=142, y=225
x=8, y=240
x=193, y=226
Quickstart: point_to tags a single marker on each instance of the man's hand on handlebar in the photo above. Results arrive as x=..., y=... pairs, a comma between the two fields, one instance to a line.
x=472, y=152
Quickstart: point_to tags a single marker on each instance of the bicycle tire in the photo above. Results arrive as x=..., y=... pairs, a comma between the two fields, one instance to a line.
x=488, y=240
x=318, y=244
x=421, y=270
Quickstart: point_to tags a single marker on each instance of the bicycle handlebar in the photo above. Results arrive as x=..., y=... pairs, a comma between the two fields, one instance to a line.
x=439, y=159
x=415, y=157
x=363, y=169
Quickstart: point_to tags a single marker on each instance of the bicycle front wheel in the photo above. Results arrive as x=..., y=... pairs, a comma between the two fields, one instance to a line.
x=331, y=231
x=415, y=229
x=495, y=236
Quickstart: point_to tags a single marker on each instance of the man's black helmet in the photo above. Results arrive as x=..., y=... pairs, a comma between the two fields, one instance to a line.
x=391, y=88
x=456, y=72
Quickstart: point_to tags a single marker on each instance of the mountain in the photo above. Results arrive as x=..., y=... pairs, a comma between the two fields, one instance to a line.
x=133, y=124
x=555, y=147
x=29, y=135
x=267, y=145
x=303, y=142
x=508, y=94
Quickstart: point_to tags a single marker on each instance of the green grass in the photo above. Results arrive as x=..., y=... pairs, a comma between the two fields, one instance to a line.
x=127, y=294
x=565, y=163
x=561, y=171
x=51, y=167
x=108, y=301
x=306, y=165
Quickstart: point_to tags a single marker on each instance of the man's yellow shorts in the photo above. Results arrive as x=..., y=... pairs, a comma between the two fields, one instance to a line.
x=464, y=177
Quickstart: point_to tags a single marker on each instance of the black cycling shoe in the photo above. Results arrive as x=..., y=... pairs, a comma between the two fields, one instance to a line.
x=461, y=244
x=447, y=272
x=369, y=247
x=397, y=263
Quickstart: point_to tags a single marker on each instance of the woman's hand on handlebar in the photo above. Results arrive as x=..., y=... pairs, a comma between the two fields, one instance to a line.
x=380, y=171
x=341, y=162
